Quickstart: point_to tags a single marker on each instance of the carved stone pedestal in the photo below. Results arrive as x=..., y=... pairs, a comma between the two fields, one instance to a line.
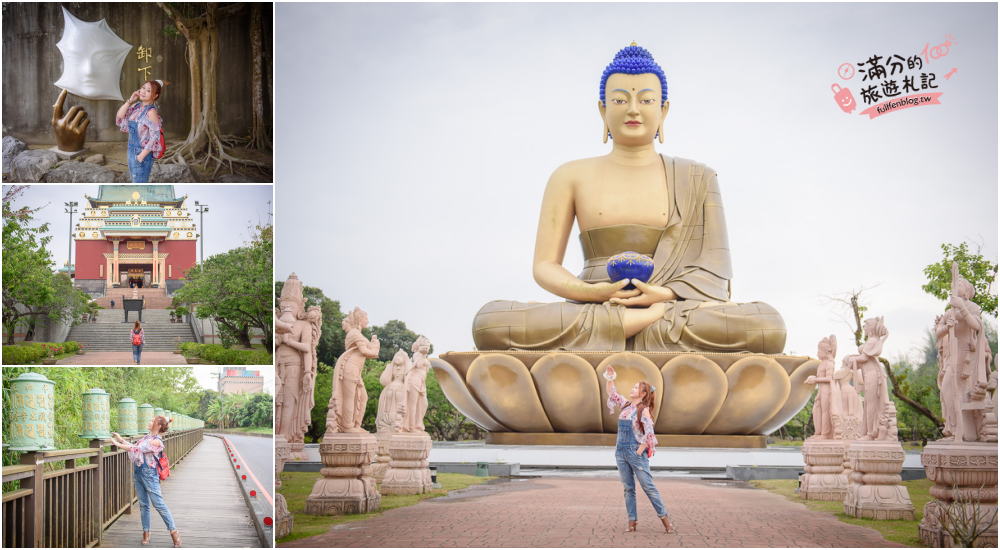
x=347, y=485
x=824, y=478
x=874, y=491
x=382, y=459
x=282, y=518
x=297, y=451
x=969, y=466
x=408, y=473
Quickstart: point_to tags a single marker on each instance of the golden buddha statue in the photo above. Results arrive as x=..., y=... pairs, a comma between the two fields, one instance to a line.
x=633, y=200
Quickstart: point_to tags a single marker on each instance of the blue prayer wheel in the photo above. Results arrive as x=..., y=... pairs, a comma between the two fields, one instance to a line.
x=145, y=417
x=127, y=417
x=32, y=413
x=96, y=414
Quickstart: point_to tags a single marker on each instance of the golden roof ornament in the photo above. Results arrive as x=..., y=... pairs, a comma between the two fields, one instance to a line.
x=633, y=43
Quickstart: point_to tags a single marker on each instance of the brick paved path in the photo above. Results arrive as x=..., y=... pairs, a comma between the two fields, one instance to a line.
x=562, y=512
x=123, y=358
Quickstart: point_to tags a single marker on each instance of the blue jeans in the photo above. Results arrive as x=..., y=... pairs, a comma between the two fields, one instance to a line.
x=631, y=465
x=138, y=171
x=136, y=352
x=147, y=489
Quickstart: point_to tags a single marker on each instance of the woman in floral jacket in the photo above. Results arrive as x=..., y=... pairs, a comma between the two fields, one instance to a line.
x=145, y=455
x=636, y=444
x=140, y=118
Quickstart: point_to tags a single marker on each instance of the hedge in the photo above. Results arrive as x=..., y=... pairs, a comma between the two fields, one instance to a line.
x=25, y=352
x=222, y=356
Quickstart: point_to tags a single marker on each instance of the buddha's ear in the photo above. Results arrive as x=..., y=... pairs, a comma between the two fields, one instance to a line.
x=604, y=117
x=663, y=116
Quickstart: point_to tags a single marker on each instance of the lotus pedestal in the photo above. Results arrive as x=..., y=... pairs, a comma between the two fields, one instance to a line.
x=347, y=485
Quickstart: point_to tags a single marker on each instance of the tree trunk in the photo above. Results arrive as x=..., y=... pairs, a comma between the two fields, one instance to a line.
x=258, y=136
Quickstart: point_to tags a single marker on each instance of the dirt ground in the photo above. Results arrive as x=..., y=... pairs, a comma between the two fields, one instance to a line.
x=114, y=153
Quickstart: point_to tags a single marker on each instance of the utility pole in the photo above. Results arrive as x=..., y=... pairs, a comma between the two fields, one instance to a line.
x=70, y=209
x=201, y=209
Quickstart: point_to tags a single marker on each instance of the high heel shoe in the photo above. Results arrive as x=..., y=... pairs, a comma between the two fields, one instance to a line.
x=632, y=526
x=145, y=538
x=666, y=525
x=176, y=538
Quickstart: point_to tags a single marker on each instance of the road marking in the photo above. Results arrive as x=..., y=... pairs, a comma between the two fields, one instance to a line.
x=253, y=477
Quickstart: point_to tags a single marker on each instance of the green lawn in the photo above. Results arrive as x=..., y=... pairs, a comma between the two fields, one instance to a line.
x=254, y=430
x=901, y=531
x=907, y=446
x=296, y=486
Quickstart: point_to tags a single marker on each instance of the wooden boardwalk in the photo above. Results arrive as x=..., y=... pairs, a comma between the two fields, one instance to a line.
x=204, y=500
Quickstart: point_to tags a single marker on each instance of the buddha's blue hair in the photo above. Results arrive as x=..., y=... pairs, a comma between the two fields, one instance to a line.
x=634, y=60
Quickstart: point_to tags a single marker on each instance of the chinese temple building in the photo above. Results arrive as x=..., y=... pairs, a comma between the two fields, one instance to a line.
x=134, y=235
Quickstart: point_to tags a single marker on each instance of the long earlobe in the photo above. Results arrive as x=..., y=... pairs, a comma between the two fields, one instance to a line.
x=606, y=131
x=659, y=132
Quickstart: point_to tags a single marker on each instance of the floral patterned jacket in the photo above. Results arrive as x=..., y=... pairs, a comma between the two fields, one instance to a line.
x=149, y=131
x=629, y=411
x=145, y=450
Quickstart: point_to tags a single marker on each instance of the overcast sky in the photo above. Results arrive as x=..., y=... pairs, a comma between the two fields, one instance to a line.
x=412, y=178
x=230, y=210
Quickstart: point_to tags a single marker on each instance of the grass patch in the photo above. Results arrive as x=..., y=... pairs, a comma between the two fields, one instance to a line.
x=263, y=430
x=900, y=531
x=296, y=486
x=907, y=446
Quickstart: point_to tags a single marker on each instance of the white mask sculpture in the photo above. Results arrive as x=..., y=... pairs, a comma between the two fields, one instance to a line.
x=93, y=56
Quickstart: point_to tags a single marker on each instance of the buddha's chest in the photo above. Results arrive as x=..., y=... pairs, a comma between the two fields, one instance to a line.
x=612, y=195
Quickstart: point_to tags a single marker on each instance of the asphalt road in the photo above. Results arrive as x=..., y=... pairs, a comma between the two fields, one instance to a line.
x=258, y=453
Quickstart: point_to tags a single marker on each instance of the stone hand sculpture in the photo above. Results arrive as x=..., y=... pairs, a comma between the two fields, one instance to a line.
x=823, y=404
x=348, y=399
x=672, y=213
x=71, y=128
x=964, y=362
x=298, y=332
x=880, y=418
x=416, y=387
x=392, y=400
x=93, y=56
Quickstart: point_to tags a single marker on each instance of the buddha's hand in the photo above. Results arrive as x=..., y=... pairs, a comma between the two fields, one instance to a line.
x=71, y=129
x=648, y=295
x=603, y=292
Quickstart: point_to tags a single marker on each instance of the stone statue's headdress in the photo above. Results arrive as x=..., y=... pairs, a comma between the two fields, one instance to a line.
x=420, y=341
x=353, y=319
x=829, y=344
x=964, y=288
x=292, y=290
x=634, y=60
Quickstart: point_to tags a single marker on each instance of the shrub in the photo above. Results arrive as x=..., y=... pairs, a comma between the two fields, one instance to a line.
x=222, y=356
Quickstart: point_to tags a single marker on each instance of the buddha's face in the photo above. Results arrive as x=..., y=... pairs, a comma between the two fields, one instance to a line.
x=632, y=110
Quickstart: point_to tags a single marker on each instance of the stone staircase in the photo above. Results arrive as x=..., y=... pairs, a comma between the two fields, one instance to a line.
x=156, y=298
x=110, y=333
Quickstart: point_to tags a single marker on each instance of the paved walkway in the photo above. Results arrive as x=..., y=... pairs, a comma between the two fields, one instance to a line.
x=204, y=500
x=124, y=358
x=579, y=512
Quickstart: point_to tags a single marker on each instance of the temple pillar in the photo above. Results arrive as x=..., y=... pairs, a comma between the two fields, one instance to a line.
x=162, y=270
x=156, y=264
x=116, y=279
x=107, y=272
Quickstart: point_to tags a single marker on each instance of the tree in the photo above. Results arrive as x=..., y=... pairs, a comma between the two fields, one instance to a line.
x=204, y=401
x=199, y=24
x=234, y=289
x=976, y=269
x=30, y=289
x=394, y=336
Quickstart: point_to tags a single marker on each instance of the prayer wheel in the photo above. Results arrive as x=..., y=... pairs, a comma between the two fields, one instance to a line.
x=145, y=417
x=32, y=414
x=127, y=417
x=96, y=414
x=157, y=411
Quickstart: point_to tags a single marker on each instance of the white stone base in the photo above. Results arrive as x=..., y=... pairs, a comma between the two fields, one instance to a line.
x=408, y=473
x=65, y=155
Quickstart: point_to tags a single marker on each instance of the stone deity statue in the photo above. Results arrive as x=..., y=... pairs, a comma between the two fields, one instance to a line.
x=348, y=399
x=868, y=376
x=847, y=409
x=964, y=362
x=416, y=387
x=392, y=400
x=298, y=331
x=824, y=403
x=633, y=199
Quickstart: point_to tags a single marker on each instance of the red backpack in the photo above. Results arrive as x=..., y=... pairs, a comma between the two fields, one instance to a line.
x=163, y=467
x=136, y=339
x=163, y=143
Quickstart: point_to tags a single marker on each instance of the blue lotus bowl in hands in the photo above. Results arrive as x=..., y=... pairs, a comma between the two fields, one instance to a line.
x=630, y=265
